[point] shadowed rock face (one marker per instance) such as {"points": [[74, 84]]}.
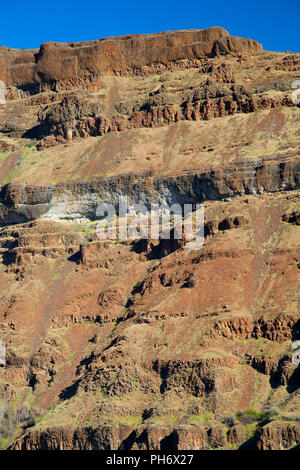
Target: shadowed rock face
{"points": [[78, 202], [56, 62]]}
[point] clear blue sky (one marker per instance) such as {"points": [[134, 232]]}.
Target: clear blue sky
{"points": [[26, 24]]}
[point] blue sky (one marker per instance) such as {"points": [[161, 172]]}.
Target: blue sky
{"points": [[27, 24]]}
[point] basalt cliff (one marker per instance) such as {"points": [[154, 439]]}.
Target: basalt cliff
{"points": [[142, 343]]}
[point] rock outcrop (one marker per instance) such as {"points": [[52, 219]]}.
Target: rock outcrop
{"points": [[55, 65], [278, 436], [79, 201], [73, 117], [142, 340]]}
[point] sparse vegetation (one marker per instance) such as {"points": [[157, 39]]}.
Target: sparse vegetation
{"points": [[15, 418]]}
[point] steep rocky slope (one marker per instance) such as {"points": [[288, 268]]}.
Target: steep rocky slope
{"points": [[144, 344], [53, 64]]}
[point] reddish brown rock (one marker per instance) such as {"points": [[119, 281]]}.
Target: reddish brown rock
{"points": [[58, 63], [6, 147], [278, 435], [279, 329]]}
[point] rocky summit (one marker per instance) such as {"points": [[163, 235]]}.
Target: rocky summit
{"points": [[141, 343]]}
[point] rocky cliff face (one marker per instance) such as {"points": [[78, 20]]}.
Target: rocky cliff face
{"points": [[78, 202], [142, 343], [78, 62]]}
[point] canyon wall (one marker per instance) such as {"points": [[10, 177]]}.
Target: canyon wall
{"points": [[78, 202], [34, 70], [142, 343]]}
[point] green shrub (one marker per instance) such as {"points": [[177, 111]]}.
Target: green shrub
{"points": [[248, 416], [251, 416]]}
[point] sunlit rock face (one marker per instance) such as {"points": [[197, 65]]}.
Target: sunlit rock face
{"points": [[131, 342]]}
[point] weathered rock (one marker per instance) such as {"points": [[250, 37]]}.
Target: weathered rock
{"points": [[278, 435], [57, 64], [6, 147], [279, 329], [79, 201], [144, 344]]}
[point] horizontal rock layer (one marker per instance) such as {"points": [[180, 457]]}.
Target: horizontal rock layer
{"points": [[273, 436], [53, 62], [78, 202]]}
